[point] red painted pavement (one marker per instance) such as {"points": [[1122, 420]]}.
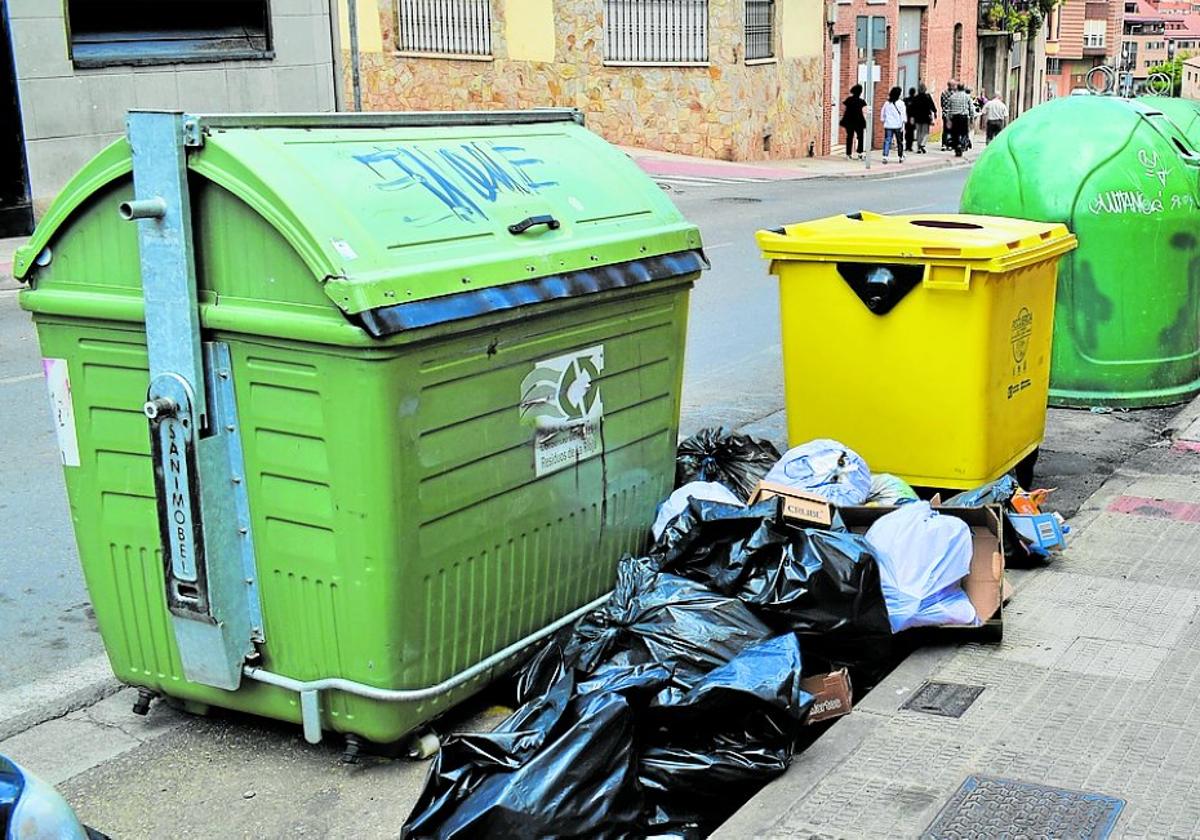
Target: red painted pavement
{"points": [[1156, 508], [1186, 446]]}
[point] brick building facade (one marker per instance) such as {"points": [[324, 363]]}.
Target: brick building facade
{"points": [[929, 41], [729, 79]]}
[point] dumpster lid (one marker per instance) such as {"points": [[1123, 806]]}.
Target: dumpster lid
{"points": [[387, 209], [865, 236]]}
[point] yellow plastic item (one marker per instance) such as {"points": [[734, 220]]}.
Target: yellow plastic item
{"points": [[921, 342]]}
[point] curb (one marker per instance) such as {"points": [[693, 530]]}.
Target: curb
{"points": [[74, 688], [1181, 423], [877, 173]]}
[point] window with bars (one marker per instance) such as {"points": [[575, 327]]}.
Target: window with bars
{"points": [[444, 27], [760, 29], [656, 31], [144, 32]]}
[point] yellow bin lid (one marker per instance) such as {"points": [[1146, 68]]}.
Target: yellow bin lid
{"points": [[987, 243]]}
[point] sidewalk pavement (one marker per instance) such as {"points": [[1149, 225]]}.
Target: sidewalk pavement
{"points": [[668, 166], [1095, 689]]}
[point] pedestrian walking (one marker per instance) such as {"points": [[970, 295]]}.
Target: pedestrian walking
{"points": [[944, 102], [995, 115], [854, 121], [910, 127], [894, 116], [921, 113], [959, 109]]}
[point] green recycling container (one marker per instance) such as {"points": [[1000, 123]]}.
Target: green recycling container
{"points": [[353, 408], [1185, 113], [1127, 318]]}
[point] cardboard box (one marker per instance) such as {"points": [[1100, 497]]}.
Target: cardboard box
{"points": [[984, 584], [797, 505], [832, 695]]}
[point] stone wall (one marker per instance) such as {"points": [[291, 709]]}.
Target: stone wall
{"points": [[727, 109]]}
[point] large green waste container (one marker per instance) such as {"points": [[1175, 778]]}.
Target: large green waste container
{"points": [[352, 408], [1127, 318], [1185, 113]]}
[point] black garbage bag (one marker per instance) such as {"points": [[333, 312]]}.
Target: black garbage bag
{"points": [[651, 617], [822, 584], [711, 747], [565, 765], [737, 461]]}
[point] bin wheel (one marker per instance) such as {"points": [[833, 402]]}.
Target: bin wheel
{"points": [[1024, 469], [424, 746], [350, 753]]}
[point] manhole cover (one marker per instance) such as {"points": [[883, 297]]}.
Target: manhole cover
{"points": [[945, 699], [986, 808], [738, 199]]}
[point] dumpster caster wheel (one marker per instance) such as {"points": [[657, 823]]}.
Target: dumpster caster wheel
{"points": [[141, 706], [1023, 471], [350, 753], [424, 746]]}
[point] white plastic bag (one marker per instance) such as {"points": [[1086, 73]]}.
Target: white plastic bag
{"points": [[824, 468], [923, 557], [677, 502]]}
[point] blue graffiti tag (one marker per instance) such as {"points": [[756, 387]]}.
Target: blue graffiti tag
{"points": [[453, 173]]}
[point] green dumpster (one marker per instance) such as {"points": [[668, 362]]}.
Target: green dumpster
{"points": [[354, 408], [1127, 318], [1185, 113]]}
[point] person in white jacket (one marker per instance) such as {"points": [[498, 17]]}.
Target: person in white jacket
{"points": [[894, 116]]}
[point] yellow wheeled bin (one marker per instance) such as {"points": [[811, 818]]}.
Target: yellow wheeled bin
{"points": [[921, 342]]}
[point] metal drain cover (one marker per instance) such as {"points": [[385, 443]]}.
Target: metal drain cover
{"points": [[987, 808], [945, 699]]}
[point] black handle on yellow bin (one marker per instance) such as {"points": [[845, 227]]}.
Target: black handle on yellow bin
{"points": [[533, 221], [881, 285]]}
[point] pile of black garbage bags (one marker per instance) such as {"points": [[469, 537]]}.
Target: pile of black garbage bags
{"points": [[661, 712]]}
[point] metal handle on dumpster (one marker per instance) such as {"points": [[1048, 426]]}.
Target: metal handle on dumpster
{"points": [[310, 690], [533, 221]]}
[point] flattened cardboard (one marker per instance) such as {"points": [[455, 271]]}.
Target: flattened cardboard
{"points": [[984, 584], [797, 505], [832, 695]]}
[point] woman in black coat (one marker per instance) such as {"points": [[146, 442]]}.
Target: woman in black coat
{"points": [[853, 120]]}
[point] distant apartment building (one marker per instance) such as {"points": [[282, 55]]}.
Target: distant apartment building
{"points": [[729, 79], [1080, 36], [1190, 88], [71, 69], [1143, 40], [926, 41]]}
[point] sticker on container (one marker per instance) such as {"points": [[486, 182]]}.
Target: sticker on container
{"points": [[560, 399], [343, 248], [62, 409]]}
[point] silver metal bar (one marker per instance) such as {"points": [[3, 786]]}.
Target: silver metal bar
{"points": [[355, 77], [391, 119], [310, 708], [163, 206]]}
